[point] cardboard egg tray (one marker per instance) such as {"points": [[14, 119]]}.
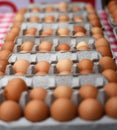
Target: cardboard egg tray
{"points": [[42, 6], [71, 15], [72, 42], [55, 26]]}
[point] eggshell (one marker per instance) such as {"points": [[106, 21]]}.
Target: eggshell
{"points": [[79, 29], [45, 46], [31, 30], [10, 111], [82, 44], [107, 63], [64, 65], [49, 9], [34, 19], [90, 109], [88, 91], [78, 19], [22, 11], [14, 89], [38, 93], [97, 36], [42, 67], [63, 18], [1, 73], [47, 32], [27, 46], [16, 24], [21, 65], [96, 30], [3, 64], [111, 107], [111, 89], [15, 30], [95, 23], [19, 17], [62, 109], [92, 16], [63, 47], [63, 31], [10, 37], [49, 19], [86, 72], [62, 6], [111, 75], [75, 8], [101, 42], [4, 54], [36, 110], [83, 48], [63, 92], [8, 46], [35, 9], [79, 34]]}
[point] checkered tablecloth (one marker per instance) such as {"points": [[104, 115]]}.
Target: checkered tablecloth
{"points": [[7, 18]]}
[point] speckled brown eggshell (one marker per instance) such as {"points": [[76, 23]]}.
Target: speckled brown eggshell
{"points": [[101, 42], [8, 46], [4, 54]]}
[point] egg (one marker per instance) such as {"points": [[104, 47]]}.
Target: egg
{"points": [[86, 72], [47, 32], [95, 23], [83, 48], [1, 73], [63, 6], [22, 11], [88, 91], [79, 34], [8, 46], [111, 89], [75, 8], [82, 45], [96, 30], [101, 42], [19, 17], [78, 19], [63, 91], [31, 30], [16, 24], [107, 63], [35, 9], [42, 67], [63, 47], [90, 109], [14, 89], [62, 109], [34, 19], [111, 107], [63, 31], [64, 66], [10, 37], [110, 74], [63, 18], [36, 110], [92, 16], [4, 54], [104, 50], [97, 36], [86, 64], [49, 19], [10, 111], [89, 7], [15, 30], [45, 46], [3, 64], [21, 65], [49, 9], [26, 46], [79, 29]]}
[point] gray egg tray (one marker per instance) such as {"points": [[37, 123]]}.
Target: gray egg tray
{"points": [[41, 16], [42, 6], [55, 26], [72, 42]]}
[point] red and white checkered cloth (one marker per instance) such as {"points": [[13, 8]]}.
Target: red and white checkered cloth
{"points": [[7, 18]]}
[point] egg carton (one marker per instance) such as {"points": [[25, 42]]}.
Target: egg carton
{"points": [[72, 42], [55, 26], [41, 16], [42, 6]]}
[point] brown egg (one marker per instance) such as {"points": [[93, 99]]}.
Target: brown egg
{"points": [[49, 19], [95, 23], [16, 24], [19, 17], [35, 9], [42, 67], [89, 7], [111, 75], [36, 110], [82, 45], [19, 74], [38, 93], [47, 32], [101, 42], [63, 31], [79, 34], [63, 47], [88, 91], [75, 8], [64, 66], [49, 9], [79, 29], [78, 19], [3, 64], [64, 107], [45, 46], [27, 46], [92, 16], [63, 18], [34, 19], [104, 50], [90, 109], [86, 64], [111, 107], [107, 63], [4, 54], [83, 48], [113, 8], [22, 11], [111, 89], [10, 37], [14, 89], [96, 30], [10, 111], [8, 46], [1, 73], [86, 72], [62, 6], [31, 30], [15, 30], [97, 36], [21, 65], [63, 92]]}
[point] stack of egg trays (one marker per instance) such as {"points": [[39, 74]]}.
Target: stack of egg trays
{"points": [[51, 82]]}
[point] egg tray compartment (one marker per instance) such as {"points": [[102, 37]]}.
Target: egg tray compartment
{"points": [[41, 16], [55, 26], [42, 6], [72, 42]]}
